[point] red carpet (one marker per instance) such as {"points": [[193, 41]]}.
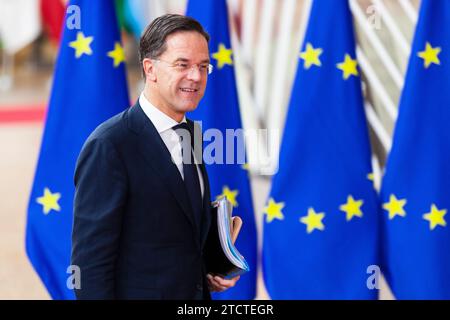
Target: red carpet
{"points": [[22, 114]]}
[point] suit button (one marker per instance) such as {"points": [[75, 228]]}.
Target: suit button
{"points": [[199, 287]]}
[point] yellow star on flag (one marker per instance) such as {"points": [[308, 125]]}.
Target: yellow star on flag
{"points": [[430, 55], [273, 210], [348, 67], [313, 220], [223, 56], [230, 194], [245, 167], [395, 207], [117, 54], [352, 208], [82, 45], [49, 201], [311, 56], [435, 217]]}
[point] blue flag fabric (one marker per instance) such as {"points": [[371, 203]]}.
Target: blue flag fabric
{"points": [[320, 229], [89, 87], [416, 185], [219, 110]]}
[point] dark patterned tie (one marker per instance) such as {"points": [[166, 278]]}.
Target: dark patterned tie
{"points": [[191, 179]]}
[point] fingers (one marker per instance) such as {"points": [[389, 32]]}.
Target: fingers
{"points": [[213, 285], [218, 284], [228, 283]]}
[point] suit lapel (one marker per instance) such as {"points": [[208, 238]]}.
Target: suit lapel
{"points": [[155, 152]]}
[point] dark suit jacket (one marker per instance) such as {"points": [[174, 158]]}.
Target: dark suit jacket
{"points": [[134, 235]]}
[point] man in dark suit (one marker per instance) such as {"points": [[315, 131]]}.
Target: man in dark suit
{"points": [[142, 208]]}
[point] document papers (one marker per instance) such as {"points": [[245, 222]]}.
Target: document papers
{"points": [[221, 256]]}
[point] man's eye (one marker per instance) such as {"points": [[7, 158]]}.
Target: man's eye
{"points": [[203, 67], [181, 65]]}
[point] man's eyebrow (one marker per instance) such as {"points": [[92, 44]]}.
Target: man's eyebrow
{"points": [[182, 60], [187, 60]]}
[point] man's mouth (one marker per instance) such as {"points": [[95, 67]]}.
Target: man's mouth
{"points": [[189, 90]]}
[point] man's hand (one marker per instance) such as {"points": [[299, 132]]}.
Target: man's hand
{"points": [[219, 284]]}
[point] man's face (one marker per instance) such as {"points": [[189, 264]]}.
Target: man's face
{"points": [[179, 88]]}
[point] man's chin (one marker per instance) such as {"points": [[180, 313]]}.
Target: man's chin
{"points": [[189, 108]]}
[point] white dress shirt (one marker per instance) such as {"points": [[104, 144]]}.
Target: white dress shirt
{"points": [[164, 124]]}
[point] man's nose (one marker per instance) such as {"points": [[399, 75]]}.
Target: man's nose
{"points": [[194, 73]]}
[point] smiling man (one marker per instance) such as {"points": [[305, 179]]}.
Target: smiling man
{"points": [[142, 204]]}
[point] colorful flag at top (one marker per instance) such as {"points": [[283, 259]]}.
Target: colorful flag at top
{"points": [[89, 87], [321, 220], [52, 12]]}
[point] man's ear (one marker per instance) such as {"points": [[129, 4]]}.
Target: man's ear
{"points": [[149, 69]]}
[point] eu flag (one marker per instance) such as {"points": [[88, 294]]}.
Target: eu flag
{"points": [[416, 185], [89, 87], [320, 229], [219, 113]]}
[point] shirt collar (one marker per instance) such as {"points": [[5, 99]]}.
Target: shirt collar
{"points": [[160, 120]]}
